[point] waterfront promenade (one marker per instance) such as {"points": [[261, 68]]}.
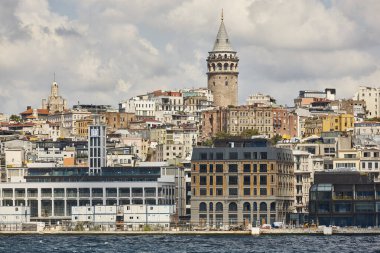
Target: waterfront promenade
{"points": [[262, 232]]}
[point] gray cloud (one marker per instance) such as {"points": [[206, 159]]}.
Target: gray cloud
{"points": [[108, 51]]}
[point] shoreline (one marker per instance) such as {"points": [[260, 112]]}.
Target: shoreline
{"points": [[262, 232]]}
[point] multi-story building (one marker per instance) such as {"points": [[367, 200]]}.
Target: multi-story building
{"points": [[117, 120], [52, 192], [303, 177], [344, 198], [250, 117], [350, 106], [285, 123], [213, 122], [307, 97], [337, 122], [371, 96], [222, 74], [260, 100], [240, 182], [67, 119]]}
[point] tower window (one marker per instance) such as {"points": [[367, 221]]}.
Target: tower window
{"points": [[213, 83], [226, 83]]}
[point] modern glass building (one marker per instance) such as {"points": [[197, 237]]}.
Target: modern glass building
{"points": [[345, 198]]}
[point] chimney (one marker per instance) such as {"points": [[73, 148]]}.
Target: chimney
{"points": [[28, 107]]}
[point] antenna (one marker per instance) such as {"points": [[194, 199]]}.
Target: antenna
{"points": [[54, 72], [222, 14]]}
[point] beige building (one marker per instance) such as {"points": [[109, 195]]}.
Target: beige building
{"points": [[54, 103], [371, 96], [222, 74], [250, 117]]}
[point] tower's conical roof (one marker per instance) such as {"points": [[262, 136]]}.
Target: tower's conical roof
{"points": [[222, 42]]}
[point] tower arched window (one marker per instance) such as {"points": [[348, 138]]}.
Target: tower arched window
{"points": [[225, 56], [231, 66], [225, 67], [213, 67], [219, 66]]}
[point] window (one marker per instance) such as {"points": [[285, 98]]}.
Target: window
{"points": [[247, 155], [263, 191], [232, 168], [202, 180], [263, 180], [203, 168], [255, 168], [219, 180], [263, 155], [211, 168], [232, 180], [247, 168], [247, 180], [211, 180], [219, 168], [219, 156], [233, 191], [202, 192], [247, 191], [203, 156], [219, 192], [255, 155], [233, 155], [263, 168]]}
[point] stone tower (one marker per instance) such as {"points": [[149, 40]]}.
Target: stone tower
{"points": [[222, 65]]}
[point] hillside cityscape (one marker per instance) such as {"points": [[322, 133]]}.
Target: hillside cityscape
{"points": [[193, 158]]}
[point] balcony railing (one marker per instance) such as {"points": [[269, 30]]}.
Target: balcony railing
{"points": [[137, 194]]}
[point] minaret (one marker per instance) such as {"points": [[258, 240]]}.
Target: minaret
{"points": [[222, 75]]}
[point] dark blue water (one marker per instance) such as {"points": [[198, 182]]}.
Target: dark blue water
{"points": [[169, 243]]}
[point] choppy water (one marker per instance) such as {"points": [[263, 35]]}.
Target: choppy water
{"points": [[169, 243]]}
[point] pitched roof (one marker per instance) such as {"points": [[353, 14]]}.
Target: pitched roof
{"points": [[222, 43]]}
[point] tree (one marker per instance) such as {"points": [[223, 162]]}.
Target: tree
{"points": [[207, 143], [14, 117], [276, 139], [248, 133], [223, 135]]}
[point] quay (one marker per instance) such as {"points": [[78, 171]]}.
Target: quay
{"points": [[257, 232]]}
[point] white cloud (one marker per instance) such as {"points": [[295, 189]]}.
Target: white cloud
{"points": [[108, 51]]}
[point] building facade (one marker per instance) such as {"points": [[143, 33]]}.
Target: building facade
{"points": [[241, 183]]}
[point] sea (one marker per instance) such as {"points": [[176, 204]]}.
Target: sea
{"points": [[173, 243]]}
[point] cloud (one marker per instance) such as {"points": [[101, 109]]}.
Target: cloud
{"points": [[107, 51]]}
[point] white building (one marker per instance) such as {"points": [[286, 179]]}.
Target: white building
{"points": [[12, 217], [94, 214], [261, 100], [304, 177], [371, 96], [140, 105], [137, 216], [14, 157], [67, 119]]}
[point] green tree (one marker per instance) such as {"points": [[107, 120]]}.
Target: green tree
{"points": [[14, 117], [248, 133], [223, 135], [207, 143], [276, 139]]}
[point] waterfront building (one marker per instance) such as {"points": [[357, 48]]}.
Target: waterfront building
{"points": [[97, 147], [52, 192], [12, 217], [222, 70], [241, 182], [344, 198], [307, 97], [303, 178]]}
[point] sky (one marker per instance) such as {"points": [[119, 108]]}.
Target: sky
{"points": [[105, 52]]}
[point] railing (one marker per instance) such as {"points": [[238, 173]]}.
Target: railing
{"points": [[124, 194], [59, 194], [365, 197], [342, 197], [84, 194], [137, 194], [32, 194], [111, 194], [71, 194], [20, 195], [150, 194], [97, 195], [7, 194], [46, 195]]}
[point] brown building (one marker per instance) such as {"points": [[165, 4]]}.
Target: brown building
{"points": [[117, 120], [82, 126], [313, 126], [284, 123], [241, 182], [213, 122]]}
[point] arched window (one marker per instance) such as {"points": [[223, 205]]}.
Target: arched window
{"points": [[213, 66], [211, 206], [225, 66], [254, 206], [231, 66], [219, 207], [219, 66], [246, 207], [263, 207], [232, 207], [225, 56], [273, 206], [202, 207]]}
